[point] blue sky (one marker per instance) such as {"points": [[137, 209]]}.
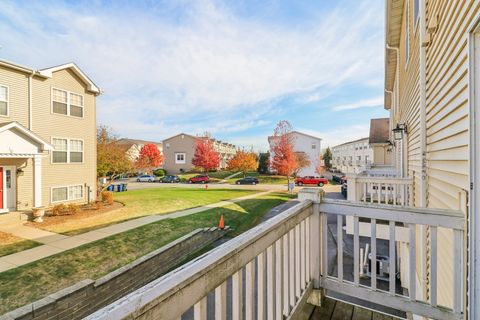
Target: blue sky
{"points": [[233, 68]]}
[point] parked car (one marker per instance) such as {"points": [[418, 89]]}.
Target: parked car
{"points": [[247, 180], [169, 179], [201, 178], [300, 181], [145, 178]]}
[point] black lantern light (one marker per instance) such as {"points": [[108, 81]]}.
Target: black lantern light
{"points": [[399, 130]]}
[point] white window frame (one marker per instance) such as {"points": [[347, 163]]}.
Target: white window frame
{"points": [[7, 101], [68, 151], [68, 104], [184, 158], [68, 193], [416, 14]]}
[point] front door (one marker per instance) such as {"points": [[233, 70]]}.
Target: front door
{"points": [[7, 189]]}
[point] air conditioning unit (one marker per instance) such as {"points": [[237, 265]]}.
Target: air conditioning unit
{"points": [[383, 267]]}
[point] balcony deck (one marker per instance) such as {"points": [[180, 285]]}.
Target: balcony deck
{"points": [[333, 309]]}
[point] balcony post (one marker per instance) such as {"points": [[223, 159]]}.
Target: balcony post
{"points": [[315, 195], [354, 190]]}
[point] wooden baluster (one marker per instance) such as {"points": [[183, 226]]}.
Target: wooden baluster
{"points": [[412, 261], [365, 186], [433, 266], [261, 285], [371, 192], [237, 295], [458, 271], [395, 194], [324, 251], [221, 302], [286, 272], [291, 268], [302, 256], [200, 309], [373, 245], [308, 249], [340, 247], [379, 191], [356, 251], [393, 259], [279, 279], [271, 282], [297, 261], [250, 291]]}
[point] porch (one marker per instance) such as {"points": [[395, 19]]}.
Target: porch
{"points": [[289, 264]]}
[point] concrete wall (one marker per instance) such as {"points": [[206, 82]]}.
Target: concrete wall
{"points": [[87, 296]]}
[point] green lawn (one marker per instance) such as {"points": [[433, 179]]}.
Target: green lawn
{"points": [[31, 282], [144, 202], [10, 244]]}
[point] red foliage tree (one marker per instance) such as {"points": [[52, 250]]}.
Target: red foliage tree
{"points": [[320, 167], [205, 156], [284, 160], [149, 158]]}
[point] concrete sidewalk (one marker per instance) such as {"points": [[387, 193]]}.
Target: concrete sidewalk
{"points": [[54, 243]]}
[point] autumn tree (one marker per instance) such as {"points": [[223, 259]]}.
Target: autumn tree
{"points": [[320, 167], [263, 162], [302, 160], [327, 157], [112, 159], [281, 146], [149, 158], [205, 156], [243, 161]]}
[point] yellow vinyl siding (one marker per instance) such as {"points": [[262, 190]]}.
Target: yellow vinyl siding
{"points": [[50, 125], [17, 83]]}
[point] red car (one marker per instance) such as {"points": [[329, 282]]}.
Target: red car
{"points": [[300, 181], [201, 178]]}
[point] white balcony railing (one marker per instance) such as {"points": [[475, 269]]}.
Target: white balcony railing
{"points": [[284, 262], [387, 190]]}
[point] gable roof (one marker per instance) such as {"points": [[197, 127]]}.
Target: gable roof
{"points": [[129, 142], [185, 134], [17, 126], [48, 72], [379, 130], [349, 142], [270, 138]]}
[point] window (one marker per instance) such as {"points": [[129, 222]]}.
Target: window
{"points": [[3, 101], [407, 34], [76, 151], [60, 151], [416, 8], [67, 103], [180, 158], [314, 145], [67, 150], [67, 193]]}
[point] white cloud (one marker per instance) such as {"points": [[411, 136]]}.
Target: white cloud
{"points": [[154, 71], [367, 103]]}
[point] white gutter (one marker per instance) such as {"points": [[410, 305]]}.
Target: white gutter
{"points": [[395, 104], [30, 107], [423, 105]]}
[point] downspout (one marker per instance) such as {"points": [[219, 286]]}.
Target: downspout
{"points": [[396, 103], [30, 107], [423, 105]]}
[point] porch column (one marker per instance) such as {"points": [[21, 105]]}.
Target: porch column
{"points": [[37, 180]]}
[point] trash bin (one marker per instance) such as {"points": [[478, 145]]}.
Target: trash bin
{"points": [[124, 187], [110, 187], [119, 188]]}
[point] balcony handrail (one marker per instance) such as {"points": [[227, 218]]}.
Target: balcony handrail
{"points": [[377, 179], [165, 297]]}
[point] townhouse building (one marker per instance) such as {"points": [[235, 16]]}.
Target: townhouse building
{"points": [[353, 156], [47, 136], [180, 149], [307, 144], [134, 146]]}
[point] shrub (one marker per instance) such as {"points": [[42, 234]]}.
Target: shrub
{"points": [[98, 205], [63, 209], [160, 172], [107, 197]]}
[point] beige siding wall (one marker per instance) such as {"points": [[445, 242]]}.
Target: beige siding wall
{"points": [[447, 111], [49, 125], [178, 144], [17, 83]]}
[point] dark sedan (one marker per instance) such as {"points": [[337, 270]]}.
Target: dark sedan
{"points": [[170, 179], [247, 180]]}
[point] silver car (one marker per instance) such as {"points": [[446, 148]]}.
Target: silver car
{"points": [[145, 178]]}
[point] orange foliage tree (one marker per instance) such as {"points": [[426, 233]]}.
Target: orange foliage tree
{"points": [[302, 161], [320, 168], [149, 158], [205, 156], [281, 147], [243, 161]]}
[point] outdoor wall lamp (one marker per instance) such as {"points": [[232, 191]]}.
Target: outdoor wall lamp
{"points": [[399, 130]]}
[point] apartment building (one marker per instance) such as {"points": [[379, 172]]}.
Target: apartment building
{"points": [[180, 149], [353, 156], [133, 147], [306, 144], [47, 136]]}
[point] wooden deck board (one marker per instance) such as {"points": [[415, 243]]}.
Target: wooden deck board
{"points": [[338, 310]]}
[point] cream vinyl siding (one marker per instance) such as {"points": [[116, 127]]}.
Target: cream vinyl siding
{"points": [[447, 119], [24, 181], [17, 83], [50, 125]]}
